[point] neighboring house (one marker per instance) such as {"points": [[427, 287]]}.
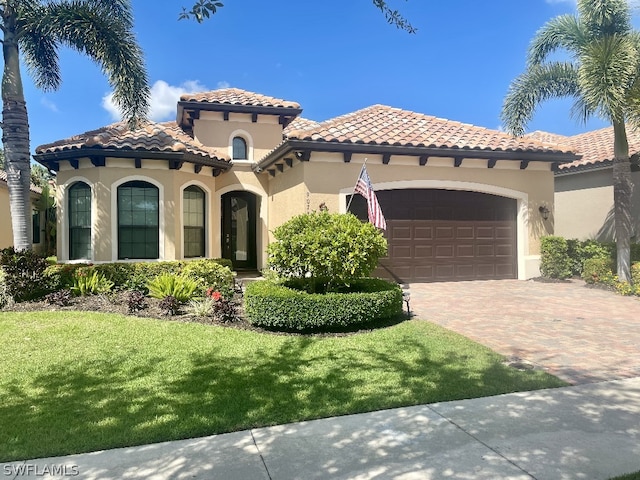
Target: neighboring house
{"points": [[584, 188], [461, 202], [6, 231]]}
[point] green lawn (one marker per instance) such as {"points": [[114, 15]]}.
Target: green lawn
{"points": [[76, 382]]}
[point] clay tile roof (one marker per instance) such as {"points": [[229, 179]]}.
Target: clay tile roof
{"points": [[383, 125], [597, 146], [236, 96], [159, 137], [300, 123], [32, 187]]}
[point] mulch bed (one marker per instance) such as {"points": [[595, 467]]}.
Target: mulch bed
{"points": [[116, 303]]}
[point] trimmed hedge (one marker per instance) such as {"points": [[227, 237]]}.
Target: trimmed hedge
{"points": [[211, 272], [554, 261], [273, 305]]}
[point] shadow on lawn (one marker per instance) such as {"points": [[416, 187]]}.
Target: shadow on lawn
{"points": [[89, 405]]}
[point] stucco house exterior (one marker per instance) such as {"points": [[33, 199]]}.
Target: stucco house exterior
{"points": [[584, 187], [6, 230], [461, 202]]}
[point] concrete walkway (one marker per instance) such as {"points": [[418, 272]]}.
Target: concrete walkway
{"points": [[577, 333], [584, 432]]}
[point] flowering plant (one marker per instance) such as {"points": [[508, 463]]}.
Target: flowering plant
{"points": [[214, 294]]}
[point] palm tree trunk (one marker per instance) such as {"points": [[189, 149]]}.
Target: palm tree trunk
{"points": [[622, 191], [15, 138]]}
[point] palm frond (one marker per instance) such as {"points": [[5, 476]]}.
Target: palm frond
{"points": [[608, 69], [91, 28], [565, 32], [537, 84], [605, 17], [40, 52]]}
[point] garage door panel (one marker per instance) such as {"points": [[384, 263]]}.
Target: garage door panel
{"points": [[465, 251], [399, 252], [444, 251], [423, 232], [466, 232], [445, 235]]}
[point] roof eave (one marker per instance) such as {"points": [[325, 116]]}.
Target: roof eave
{"points": [[339, 147], [50, 159]]}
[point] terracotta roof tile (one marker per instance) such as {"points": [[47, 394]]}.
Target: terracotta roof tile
{"points": [[597, 146], [236, 96], [300, 123], [159, 137], [383, 125]]}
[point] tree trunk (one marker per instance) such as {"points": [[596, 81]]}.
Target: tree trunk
{"points": [[622, 191], [15, 138]]}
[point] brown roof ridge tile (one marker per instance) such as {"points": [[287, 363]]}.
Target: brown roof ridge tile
{"points": [[238, 96]]}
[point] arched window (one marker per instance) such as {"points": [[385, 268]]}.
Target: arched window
{"points": [[193, 215], [239, 148], [138, 220], [79, 198]]}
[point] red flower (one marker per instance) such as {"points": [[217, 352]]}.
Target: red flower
{"points": [[216, 295]]}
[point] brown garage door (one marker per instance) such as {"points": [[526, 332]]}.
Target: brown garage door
{"points": [[446, 235]]}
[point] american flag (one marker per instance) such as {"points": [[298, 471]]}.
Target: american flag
{"points": [[364, 188]]}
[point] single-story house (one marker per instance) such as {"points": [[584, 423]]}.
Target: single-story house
{"points": [[6, 232], [584, 187], [461, 202]]}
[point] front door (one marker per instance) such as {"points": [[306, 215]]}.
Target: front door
{"points": [[239, 229]]}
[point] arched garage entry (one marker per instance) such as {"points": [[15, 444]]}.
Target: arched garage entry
{"points": [[446, 235]]}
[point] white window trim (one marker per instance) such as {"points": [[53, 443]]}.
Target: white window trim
{"points": [[114, 215], [207, 216], [247, 138], [63, 220]]}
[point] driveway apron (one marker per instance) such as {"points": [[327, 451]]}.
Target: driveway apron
{"points": [[575, 332]]}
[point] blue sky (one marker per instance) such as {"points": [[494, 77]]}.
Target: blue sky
{"points": [[333, 57]]}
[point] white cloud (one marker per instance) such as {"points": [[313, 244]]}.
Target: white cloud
{"points": [[164, 98], [45, 102], [223, 84]]}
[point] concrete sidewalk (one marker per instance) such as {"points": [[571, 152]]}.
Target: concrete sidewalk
{"points": [[589, 432]]}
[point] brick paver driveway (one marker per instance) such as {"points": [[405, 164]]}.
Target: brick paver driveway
{"points": [[577, 333]]}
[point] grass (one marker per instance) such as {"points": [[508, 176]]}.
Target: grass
{"points": [[74, 382]]}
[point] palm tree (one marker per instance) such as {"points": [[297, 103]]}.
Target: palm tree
{"points": [[33, 31], [602, 76]]}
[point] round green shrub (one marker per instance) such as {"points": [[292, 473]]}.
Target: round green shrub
{"points": [[325, 248], [598, 270], [273, 305], [554, 261], [209, 273]]}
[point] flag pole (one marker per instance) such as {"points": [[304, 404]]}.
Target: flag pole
{"points": [[354, 192]]}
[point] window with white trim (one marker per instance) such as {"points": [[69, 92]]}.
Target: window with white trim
{"points": [[193, 217]]}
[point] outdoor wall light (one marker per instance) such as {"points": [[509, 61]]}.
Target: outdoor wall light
{"points": [[544, 211]]}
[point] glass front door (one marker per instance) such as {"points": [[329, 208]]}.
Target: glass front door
{"points": [[239, 229]]}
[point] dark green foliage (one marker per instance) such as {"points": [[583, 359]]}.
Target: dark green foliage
{"points": [[61, 298], [581, 250], [181, 288], [23, 273], [325, 249], [269, 304], [169, 305], [598, 270], [120, 274], [210, 274], [136, 301], [225, 310], [60, 276], [87, 281], [554, 262]]}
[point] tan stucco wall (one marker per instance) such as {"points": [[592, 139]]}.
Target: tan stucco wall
{"points": [[262, 136], [584, 205], [6, 232]]}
